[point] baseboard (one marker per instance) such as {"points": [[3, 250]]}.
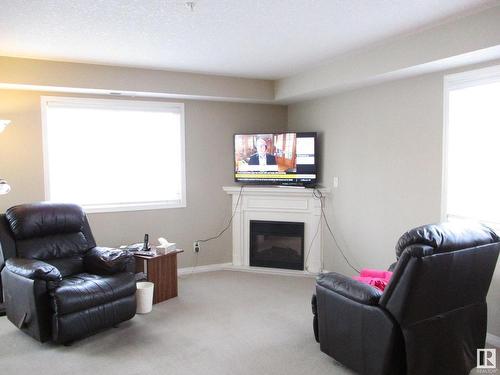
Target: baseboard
{"points": [[493, 340], [230, 267], [200, 269], [271, 271]]}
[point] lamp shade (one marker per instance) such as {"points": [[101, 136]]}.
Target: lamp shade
{"points": [[3, 124], [4, 187]]}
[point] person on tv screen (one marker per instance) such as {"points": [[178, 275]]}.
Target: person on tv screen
{"points": [[262, 157]]}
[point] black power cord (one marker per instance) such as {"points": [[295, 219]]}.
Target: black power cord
{"points": [[228, 224], [317, 194], [197, 253]]}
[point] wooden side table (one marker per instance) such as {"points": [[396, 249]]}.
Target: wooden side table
{"points": [[160, 269]]}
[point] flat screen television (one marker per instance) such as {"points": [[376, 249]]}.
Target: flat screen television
{"points": [[285, 158]]}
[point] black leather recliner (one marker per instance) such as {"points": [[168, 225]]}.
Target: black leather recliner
{"points": [[56, 283], [432, 315]]}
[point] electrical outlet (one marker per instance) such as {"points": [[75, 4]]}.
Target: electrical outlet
{"points": [[196, 247], [335, 182]]}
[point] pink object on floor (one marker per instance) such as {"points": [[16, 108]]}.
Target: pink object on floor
{"points": [[376, 278]]}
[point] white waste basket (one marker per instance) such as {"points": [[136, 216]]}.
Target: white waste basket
{"points": [[144, 296]]}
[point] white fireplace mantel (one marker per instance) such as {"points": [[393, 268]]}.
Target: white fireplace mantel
{"points": [[276, 203]]}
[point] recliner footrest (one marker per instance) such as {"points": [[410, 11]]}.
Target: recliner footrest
{"points": [[73, 326], [83, 291]]}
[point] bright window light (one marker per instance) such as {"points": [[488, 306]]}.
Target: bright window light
{"points": [[472, 182], [114, 155]]}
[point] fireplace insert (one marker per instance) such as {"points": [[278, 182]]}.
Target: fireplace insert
{"points": [[277, 244]]}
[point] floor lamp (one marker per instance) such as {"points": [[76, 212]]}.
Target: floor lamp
{"points": [[4, 189]]}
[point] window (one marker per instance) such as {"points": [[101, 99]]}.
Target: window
{"points": [[114, 155], [471, 188]]}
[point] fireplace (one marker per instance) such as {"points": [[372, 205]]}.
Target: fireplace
{"points": [[277, 244], [275, 204]]}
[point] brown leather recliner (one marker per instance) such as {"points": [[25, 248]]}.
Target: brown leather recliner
{"points": [[432, 316], [57, 284]]}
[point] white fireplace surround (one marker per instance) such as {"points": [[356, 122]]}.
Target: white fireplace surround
{"points": [[276, 203]]}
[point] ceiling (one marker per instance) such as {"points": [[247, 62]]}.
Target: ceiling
{"points": [[268, 39]]}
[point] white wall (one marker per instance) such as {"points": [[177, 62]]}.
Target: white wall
{"points": [[385, 144]]}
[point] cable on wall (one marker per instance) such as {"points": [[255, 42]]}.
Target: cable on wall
{"points": [[195, 261], [228, 224], [317, 194]]}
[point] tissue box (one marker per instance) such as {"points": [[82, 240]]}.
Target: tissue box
{"points": [[163, 250]]}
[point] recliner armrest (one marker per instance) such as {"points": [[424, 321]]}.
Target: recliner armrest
{"points": [[33, 269], [105, 260], [349, 288]]}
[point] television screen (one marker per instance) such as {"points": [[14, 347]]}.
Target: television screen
{"points": [[276, 158]]}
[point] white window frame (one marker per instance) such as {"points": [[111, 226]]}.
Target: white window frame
{"points": [[452, 82], [106, 103]]}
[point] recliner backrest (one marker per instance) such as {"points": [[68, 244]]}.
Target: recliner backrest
{"points": [[441, 268], [57, 233], [7, 242], [447, 236]]}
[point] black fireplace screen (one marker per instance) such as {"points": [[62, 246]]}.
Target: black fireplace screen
{"points": [[277, 244]]}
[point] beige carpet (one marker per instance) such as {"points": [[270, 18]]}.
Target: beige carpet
{"points": [[221, 323]]}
